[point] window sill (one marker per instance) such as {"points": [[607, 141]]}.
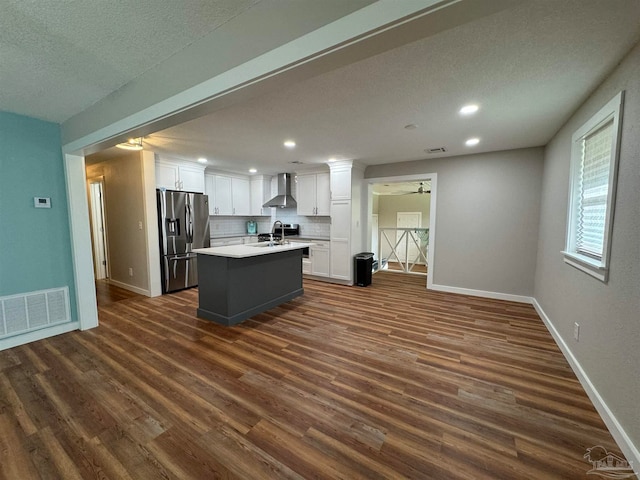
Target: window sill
{"points": [[588, 265]]}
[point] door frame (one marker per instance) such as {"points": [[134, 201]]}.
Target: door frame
{"points": [[98, 228], [367, 191]]}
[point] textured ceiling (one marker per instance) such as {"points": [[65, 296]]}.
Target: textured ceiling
{"points": [[60, 57], [528, 68]]}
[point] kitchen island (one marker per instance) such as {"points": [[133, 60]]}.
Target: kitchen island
{"points": [[236, 282]]}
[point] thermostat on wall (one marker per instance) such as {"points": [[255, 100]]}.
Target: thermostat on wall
{"points": [[42, 202]]}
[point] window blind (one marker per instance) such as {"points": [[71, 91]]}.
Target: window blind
{"points": [[593, 189]]}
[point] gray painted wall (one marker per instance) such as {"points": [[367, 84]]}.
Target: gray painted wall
{"points": [[608, 314], [487, 213], [124, 208]]}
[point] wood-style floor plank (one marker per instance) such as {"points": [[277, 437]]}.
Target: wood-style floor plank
{"points": [[385, 382]]}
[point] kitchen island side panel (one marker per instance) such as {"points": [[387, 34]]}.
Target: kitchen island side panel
{"points": [[233, 289]]}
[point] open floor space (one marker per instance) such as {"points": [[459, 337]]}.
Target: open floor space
{"points": [[388, 381]]}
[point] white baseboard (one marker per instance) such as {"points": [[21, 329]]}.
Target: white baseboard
{"points": [[619, 435], [483, 293], [35, 335], [131, 288]]}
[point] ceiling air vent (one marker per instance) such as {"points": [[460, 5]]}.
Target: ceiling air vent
{"points": [[296, 162], [435, 150]]}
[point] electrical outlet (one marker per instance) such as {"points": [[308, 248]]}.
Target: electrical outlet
{"points": [[131, 271], [576, 331]]}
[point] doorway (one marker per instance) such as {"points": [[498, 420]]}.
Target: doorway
{"points": [[400, 213], [98, 229], [406, 220]]}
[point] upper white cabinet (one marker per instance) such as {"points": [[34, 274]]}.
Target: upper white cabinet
{"points": [[341, 183], [228, 195], [240, 196], [219, 192], [179, 176], [313, 195], [260, 193]]}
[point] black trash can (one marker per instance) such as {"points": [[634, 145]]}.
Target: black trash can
{"points": [[363, 264]]}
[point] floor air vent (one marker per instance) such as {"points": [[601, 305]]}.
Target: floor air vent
{"points": [[34, 310]]}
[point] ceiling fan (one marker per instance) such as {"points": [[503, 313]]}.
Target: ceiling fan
{"points": [[420, 190]]}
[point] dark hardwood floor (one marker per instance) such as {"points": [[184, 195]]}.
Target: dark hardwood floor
{"points": [[107, 293], [389, 381]]}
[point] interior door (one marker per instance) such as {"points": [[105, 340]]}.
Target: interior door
{"points": [[98, 230], [407, 245]]}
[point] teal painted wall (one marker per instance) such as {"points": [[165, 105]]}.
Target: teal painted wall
{"points": [[35, 244]]}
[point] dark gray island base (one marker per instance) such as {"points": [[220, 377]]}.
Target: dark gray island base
{"points": [[231, 290]]}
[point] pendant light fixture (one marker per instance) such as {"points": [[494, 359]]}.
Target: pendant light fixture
{"points": [[131, 144]]}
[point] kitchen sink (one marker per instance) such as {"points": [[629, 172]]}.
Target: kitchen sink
{"points": [[266, 244]]}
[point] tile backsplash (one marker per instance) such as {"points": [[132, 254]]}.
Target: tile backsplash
{"points": [[221, 226]]}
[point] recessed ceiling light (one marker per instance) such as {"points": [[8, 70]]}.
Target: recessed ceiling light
{"points": [[289, 144], [472, 141], [411, 126], [252, 170], [469, 109], [332, 159], [202, 160]]}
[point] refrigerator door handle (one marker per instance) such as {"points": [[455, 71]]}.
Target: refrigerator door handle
{"points": [[189, 223]]}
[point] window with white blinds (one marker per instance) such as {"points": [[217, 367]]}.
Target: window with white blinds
{"points": [[593, 188], [594, 155]]}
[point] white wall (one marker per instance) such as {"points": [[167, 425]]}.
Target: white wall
{"points": [[488, 208], [609, 314]]}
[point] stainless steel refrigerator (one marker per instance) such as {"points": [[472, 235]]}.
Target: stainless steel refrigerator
{"points": [[183, 221]]}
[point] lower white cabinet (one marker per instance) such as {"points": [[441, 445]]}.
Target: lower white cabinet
{"points": [[306, 266], [319, 255], [341, 259]]}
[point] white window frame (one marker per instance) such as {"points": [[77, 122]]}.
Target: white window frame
{"points": [[598, 268]]}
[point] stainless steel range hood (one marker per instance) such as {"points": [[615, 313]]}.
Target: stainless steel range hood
{"points": [[284, 198]]}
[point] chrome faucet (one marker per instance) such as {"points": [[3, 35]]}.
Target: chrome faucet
{"points": [[273, 230]]}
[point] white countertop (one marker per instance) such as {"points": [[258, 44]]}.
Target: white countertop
{"points": [[251, 249]]}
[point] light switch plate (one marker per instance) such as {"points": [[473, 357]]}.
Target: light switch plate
{"points": [[42, 202]]}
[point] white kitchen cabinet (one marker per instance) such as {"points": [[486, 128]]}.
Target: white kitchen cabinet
{"points": [[228, 195], [167, 176], [260, 193], [218, 188], [319, 255], [223, 201], [240, 196], [313, 195], [340, 182], [191, 178], [306, 266], [178, 176], [341, 260]]}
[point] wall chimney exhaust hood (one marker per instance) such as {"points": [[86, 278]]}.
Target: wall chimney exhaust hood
{"points": [[283, 199]]}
